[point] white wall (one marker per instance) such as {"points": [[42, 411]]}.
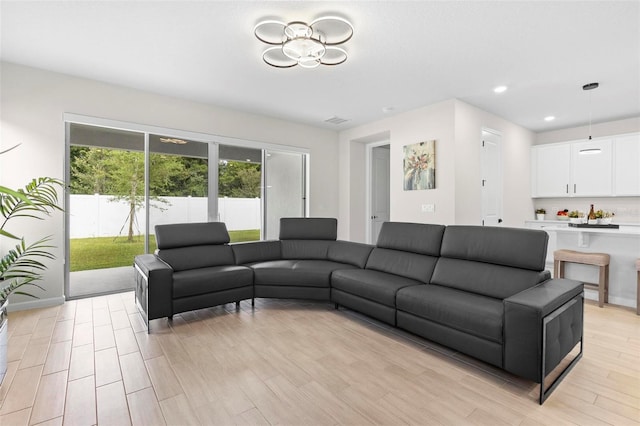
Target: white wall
{"points": [[516, 147], [618, 127], [457, 129], [32, 105], [431, 122]]}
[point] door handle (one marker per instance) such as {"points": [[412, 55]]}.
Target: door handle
{"points": [[374, 217], [499, 220]]}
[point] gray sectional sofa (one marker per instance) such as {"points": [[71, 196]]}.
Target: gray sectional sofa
{"points": [[482, 291]]}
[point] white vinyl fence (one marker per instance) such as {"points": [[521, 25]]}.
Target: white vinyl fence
{"points": [[103, 216]]}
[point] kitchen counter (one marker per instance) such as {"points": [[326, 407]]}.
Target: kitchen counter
{"points": [[623, 231], [623, 246]]}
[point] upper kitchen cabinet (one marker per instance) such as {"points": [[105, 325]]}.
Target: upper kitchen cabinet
{"points": [[626, 165], [591, 169], [550, 166]]}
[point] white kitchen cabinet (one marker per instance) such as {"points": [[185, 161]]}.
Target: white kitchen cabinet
{"points": [[550, 167], [603, 167], [626, 165], [591, 169]]}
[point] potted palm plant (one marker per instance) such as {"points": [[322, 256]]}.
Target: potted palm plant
{"points": [[21, 267]]}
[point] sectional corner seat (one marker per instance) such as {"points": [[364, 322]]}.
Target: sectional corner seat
{"points": [[482, 291]]}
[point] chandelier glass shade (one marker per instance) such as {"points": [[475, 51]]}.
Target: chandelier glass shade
{"points": [[307, 45]]}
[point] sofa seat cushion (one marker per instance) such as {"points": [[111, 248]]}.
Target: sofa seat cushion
{"points": [[474, 314], [209, 280], [376, 286], [301, 273]]}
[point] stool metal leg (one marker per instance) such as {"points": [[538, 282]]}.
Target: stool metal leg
{"points": [[638, 296], [606, 284]]}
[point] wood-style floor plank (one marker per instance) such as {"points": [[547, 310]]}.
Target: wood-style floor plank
{"points": [[80, 403], [112, 407], [50, 399], [291, 362]]}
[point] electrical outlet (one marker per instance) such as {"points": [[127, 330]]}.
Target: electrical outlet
{"points": [[428, 208]]}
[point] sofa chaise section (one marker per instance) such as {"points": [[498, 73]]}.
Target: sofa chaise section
{"points": [[405, 255], [193, 268]]}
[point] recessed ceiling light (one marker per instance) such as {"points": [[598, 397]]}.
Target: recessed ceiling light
{"points": [[549, 118], [500, 89]]}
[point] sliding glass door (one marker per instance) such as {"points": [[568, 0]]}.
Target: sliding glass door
{"points": [[125, 182]]}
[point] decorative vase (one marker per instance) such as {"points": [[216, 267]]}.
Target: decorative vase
{"points": [[4, 323], [540, 216]]}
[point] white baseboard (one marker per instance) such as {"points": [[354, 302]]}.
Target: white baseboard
{"points": [[35, 304]]}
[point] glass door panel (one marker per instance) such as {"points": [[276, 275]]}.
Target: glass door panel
{"points": [[284, 195], [178, 182], [106, 181], [239, 191]]}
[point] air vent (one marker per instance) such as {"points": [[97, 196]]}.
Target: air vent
{"points": [[336, 120]]}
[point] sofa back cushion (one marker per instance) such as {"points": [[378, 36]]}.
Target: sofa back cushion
{"points": [[495, 262], [305, 249], [308, 228], [516, 247], [256, 251], [407, 249], [355, 254], [405, 264], [191, 234], [194, 245], [307, 237], [421, 238]]}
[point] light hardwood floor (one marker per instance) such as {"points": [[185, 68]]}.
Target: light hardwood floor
{"points": [[91, 361]]}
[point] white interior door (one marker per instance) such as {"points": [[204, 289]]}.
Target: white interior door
{"points": [[491, 169], [379, 189]]}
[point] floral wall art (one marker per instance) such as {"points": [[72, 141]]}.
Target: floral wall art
{"points": [[419, 166]]}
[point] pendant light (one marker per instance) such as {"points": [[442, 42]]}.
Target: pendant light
{"points": [[590, 87]]}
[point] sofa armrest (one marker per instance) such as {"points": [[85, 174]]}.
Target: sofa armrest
{"points": [[526, 315], [154, 286]]}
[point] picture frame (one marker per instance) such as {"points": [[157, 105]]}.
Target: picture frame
{"points": [[419, 166]]}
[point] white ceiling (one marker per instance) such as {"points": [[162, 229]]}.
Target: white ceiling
{"points": [[403, 55]]}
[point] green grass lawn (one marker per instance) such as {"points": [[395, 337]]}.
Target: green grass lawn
{"points": [[111, 252]]}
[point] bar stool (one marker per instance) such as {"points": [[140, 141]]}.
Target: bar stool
{"points": [[638, 291], [601, 260]]}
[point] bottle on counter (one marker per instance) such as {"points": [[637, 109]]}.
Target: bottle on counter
{"points": [[592, 215]]}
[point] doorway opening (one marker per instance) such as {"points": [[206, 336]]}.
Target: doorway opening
{"points": [[378, 209]]}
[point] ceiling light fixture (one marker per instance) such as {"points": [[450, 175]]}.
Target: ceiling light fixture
{"points": [[590, 87], [173, 140], [500, 89], [307, 45], [549, 118]]}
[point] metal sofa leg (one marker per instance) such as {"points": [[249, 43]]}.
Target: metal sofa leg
{"points": [[253, 302], [237, 305]]}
